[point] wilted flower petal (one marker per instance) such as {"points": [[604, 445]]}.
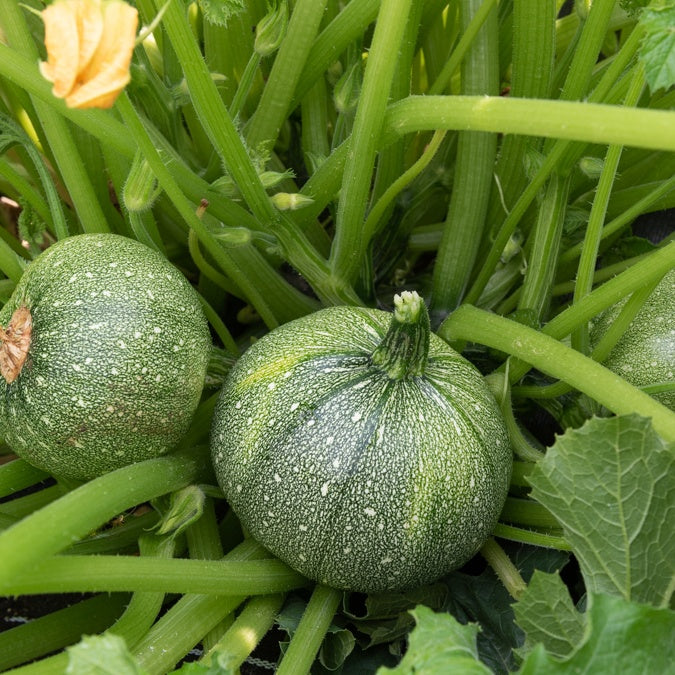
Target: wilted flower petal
{"points": [[89, 48]]}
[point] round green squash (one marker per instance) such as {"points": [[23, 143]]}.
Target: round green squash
{"points": [[361, 449], [103, 353], [645, 354]]}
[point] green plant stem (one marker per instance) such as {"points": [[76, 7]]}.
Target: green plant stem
{"points": [[219, 327], [17, 475], [62, 145], [307, 639], [202, 535], [260, 295], [533, 58], [499, 385], [118, 538], [593, 234], [144, 606], [503, 567], [228, 144], [547, 234], [554, 358], [391, 162], [647, 270], [520, 473], [277, 95], [245, 85], [70, 574], [531, 537], [569, 120], [381, 205], [604, 346], [246, 632], [189, 619], [478, 18], [208, 270], [58, 629], [204, 544], [349, 244], [71, 517], [51, 210], [587, 49], [560, 158], [474, 167], [621, 221], [349, 25], [528, 513], [11, 264], [7, 521], [23, 506]]}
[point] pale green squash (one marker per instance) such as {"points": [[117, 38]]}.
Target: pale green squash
{"points": [[361, 449], [104, 353]]}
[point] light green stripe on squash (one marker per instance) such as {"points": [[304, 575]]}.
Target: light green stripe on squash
{"points": [[117, 357]]}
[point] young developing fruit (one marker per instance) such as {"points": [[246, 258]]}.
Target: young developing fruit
{"points": [[645, 354], [361, 449], [103, 356]]}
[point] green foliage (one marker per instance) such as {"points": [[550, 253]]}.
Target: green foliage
{"points": [[439, 644], [547, 615], [611, 484], [658, 47], [620, 637], [263, 157], [105, 654]]}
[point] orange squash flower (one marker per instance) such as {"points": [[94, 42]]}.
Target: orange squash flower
{"points": [[89, 47]]}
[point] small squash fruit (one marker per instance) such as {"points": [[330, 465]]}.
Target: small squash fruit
{"points": [[103, 355], [361, 449], [645, 354]]}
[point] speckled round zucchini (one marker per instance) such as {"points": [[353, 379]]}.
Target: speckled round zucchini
{"points": [[361, 449], [645, 354], [103, 354]]}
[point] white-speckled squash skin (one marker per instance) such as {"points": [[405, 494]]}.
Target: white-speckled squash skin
{"points": [[645, 354], [117, 359], [359, 481]]}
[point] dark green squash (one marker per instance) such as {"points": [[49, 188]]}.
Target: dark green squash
{"points": [[645, 354], [103, 356], [361, 449]]}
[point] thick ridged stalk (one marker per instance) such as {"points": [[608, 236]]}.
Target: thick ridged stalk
{"points": [[89, 506], [533, 56], [349, 245], [404, 349], [546, 244], [596, 219], [474, 169], [311, 631], [276, 98]]}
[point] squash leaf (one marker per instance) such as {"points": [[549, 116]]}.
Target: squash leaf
{"points": [[105, 654], [483, 599], [621, 637], [439, 644], [657, 52], [548, 616], [611, 484]]}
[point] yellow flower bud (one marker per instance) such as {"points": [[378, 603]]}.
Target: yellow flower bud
{"points": [[89, 47]]}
